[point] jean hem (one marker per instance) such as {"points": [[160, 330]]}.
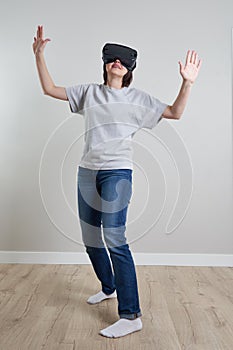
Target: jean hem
{"points": [[131, 316], [107, 292]]}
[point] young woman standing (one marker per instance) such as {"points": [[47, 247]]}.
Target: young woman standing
{"points": [[113, 113]]}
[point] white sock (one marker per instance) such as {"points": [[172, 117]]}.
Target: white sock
{"points": [[122, 327], [97, 298]]}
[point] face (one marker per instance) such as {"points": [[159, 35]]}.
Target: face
{"points": [[116, 68]]}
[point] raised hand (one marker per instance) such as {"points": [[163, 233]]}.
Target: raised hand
{"points": [[39, 43], [192, 66]]}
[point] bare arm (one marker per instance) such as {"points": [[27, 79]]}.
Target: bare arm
{"points": [[46, 81], [189, 73], [176, 110]]}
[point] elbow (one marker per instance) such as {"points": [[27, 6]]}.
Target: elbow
{"points": [[45, 91], [172, 113], [48, 91], [176, 112], [176, 115]]}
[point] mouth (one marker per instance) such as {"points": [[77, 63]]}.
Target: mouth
{"points": [[115, 65]]}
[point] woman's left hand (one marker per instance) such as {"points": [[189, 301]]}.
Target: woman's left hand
{"points": [[192, 66]]}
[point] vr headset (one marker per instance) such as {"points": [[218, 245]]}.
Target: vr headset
{"points": [[125, 54]]}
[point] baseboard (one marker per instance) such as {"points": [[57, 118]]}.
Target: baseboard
{"points": [[21, 257]]}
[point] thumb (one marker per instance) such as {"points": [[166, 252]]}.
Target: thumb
{"points": [[45, 42], [181, 66]]}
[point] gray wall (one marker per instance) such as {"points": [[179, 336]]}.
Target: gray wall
{"points": [[182, 200]]}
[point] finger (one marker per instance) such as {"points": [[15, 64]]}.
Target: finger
{"points": [[42, 32], [188, 57], [196, 59], [181, 66], [192, 59], [199, 64], [38, 32], [44, 43]]}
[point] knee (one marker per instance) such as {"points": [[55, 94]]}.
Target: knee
{"points": [[114, 237]]}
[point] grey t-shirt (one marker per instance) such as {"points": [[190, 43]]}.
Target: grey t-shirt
{"points": [[112, 117]]}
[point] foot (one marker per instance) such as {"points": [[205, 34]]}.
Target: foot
{"points": [[122, 327], [97, 298]]}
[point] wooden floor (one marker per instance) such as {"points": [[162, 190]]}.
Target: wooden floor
{"points": [[184, 308]]}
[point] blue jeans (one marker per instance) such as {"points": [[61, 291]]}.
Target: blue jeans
{"points": [[103, 198]]}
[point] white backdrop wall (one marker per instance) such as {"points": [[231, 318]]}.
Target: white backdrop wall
{"points": [[182, 199]]}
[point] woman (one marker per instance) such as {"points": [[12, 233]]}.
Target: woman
{"points": [[113, 112]]}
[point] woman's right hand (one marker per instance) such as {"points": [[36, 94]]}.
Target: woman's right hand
{"points": [[39, 43]]}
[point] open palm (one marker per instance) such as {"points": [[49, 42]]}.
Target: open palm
{"points": [[39, 42], [192, 66]]}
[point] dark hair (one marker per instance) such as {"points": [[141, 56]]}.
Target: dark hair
{"points": [[127, 78]]}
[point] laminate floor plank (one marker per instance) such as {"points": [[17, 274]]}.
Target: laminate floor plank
{"points": [[43, 307]]}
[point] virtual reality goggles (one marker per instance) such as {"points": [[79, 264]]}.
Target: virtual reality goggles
{"points": [[125, 54]]}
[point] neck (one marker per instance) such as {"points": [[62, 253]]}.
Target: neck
{"points": [[114, 82]]}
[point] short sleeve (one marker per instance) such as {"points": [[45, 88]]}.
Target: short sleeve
{"points": [[76, 97], [153, 111]]}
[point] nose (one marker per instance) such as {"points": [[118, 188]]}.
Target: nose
{"points": [[117, 60]]}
